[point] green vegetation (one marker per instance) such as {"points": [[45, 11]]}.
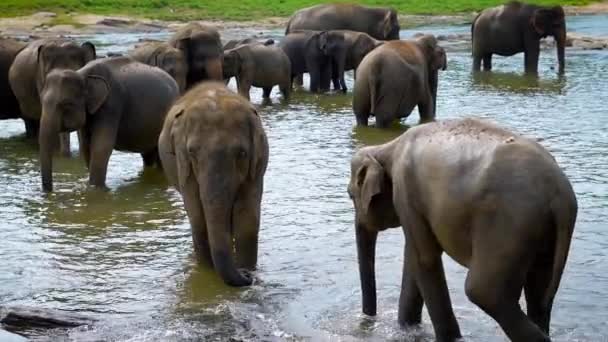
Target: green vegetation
{"points": [[237, 9]]}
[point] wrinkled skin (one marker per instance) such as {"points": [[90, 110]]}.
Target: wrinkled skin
{"points": [[316, 52], [9, 48], [202, 47], [515, 27], [260, 66], [103, 101], [27, 75], [166, 57], [214, 151], [380, 23], [231, 44], [396, 77], [461, 187]]}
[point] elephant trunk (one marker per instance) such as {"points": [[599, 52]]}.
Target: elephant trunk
{"points": [[366, 250], [218, 200], [213, 67], [561, 45], [47, 139]]}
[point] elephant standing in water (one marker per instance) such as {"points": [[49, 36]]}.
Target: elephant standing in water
{"points": [[164, 56], [496, 202], [9, 48], [115, 103], [202, 48], [231, 44], [516, 27], [396, 77], [380, 23], [29, 71], [215, 152]]}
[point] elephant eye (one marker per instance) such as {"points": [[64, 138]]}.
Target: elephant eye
{"points": [[241, 153]]}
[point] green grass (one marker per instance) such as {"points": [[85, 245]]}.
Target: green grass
{"points": [[237, 9]]}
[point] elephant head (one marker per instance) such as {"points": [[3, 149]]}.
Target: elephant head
{"points": [[231, 63], [362, 46], [221, 153], [332, 44], [202, 48], [173, 61], [62, 55], [371, 191], [68, 97], [389, 28], [551, 22]]}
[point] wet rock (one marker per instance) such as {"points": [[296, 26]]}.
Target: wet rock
{"points": [[6, 336], [20, 317]]}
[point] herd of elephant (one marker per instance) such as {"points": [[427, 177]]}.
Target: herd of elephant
{"points": [[495, 201]]}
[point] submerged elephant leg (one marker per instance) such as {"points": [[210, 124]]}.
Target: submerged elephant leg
{"points": [[535, 288], [102, 144], [476, 63], [531, 58], [266, 92], [151, 158], [487, 62], [285, 90], [299, 80], [84, 145], [64, 144], [426, 108], [32, 127], [410, 300]]}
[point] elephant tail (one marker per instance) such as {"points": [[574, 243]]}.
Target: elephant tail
{"points": [[288, 28], [374, 85], [564, 215]]}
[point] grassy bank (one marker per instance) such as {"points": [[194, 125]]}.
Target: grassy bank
{"points": [[237, 9]]}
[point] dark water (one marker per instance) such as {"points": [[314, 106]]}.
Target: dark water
{"points": [[125, 256]]}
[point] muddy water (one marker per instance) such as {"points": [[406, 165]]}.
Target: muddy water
{"points": [[125, 256]]}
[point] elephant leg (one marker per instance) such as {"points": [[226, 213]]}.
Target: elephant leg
{"points": [[32, 127], [410, 300], [315, 79], [531, 55], [325, 78], [285, 89], [151, 158], [487, 62], [244, 87], [535, 289], [426, 108], [476, 63], [196, 216], [64, 144], [84, 145], [299, 80], [266, 92], [102, 144]]}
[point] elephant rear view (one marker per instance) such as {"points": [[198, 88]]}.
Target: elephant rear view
{"points": [[517, 27], [380, 23], [215, 152], [115, 103]]}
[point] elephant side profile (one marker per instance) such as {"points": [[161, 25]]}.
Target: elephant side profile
{"points": [[358, 45], [494, 201], [516, 27], [29, 71], [202, 47], [164, 56], [214, 151], [260, 66], [231, 44], [115, 103], [9, 48], [380, 23], [316, 52], [396, 77]]}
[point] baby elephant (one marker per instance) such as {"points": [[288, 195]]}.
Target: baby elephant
{"points": [[396, 77], [164, 56], [494, 201], [214, 151], [260, 66], [115, 103]]}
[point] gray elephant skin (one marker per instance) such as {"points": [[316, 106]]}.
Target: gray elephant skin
{"points": [[28, 73], [316, 52], [260, 66], [115, 103], [494, 201], [516, 27], [396, 77], [202, 47], [358, 45], [380, 23], [164, 56], [9, 48], [215, 152], [231, 44]]}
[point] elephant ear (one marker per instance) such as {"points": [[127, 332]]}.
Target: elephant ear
{"points": [[97, 92], [322, 41], [89, 52], [259, 146], [541, 20], [370, 178]]}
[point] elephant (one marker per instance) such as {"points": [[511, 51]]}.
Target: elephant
{"points": [[214, 151], [9, 48], [202, 46], [164, 56], [315, 52], [115, 103], [29, 71], [260, 66], [516, 27], [231, 44], [494, 201], [380, 23], [395, 77]]}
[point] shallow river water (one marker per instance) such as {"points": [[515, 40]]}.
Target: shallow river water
{"points": [[125, 257]]}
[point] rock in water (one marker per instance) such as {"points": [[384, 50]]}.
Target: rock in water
{"points": [[24, 317]]}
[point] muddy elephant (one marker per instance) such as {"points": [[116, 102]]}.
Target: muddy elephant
{"points": [[214, 151], [516, 27], [202, 47], [9, 109], [115, 103], [380, 23], [461, 187], [29, 71], [260, 66], [396, 77], [231, 44], [164, 56], [358, 45], [316, 52]]}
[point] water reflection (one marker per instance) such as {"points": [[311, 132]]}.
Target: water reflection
{"points": [[498, 81]]}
